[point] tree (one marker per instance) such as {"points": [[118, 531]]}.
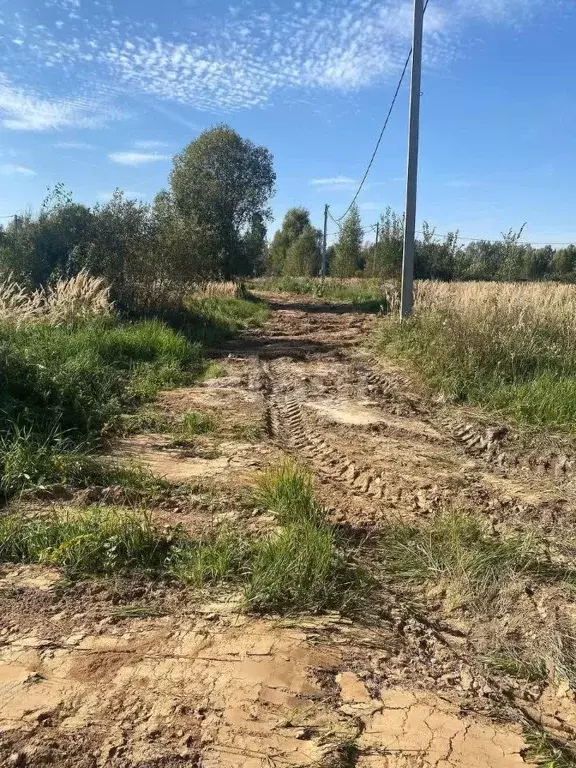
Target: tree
{"points": [[385, 259], [294, 224], [221, 182], [303, 256], [349, 246]]}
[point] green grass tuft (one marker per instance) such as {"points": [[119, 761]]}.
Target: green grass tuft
{"points": [[299, 568], [289, 492], [513, 665], [472, 561], [98, 541], [224, 557], [195, 423], [546, 752]]}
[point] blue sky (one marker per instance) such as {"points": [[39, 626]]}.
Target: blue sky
{"points": [[100, 94]]}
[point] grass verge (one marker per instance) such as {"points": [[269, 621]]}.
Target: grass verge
{"points": [[301, 566], [510, 348], [470, 560]]}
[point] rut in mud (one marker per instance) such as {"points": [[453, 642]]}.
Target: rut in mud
{"points": [[91, 676]]}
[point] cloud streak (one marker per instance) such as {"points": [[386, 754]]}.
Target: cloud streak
{"points": [[23, 110], [9, 169], [136, 159]]}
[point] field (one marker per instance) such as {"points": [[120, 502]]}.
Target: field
{"points": [[283, 528]]}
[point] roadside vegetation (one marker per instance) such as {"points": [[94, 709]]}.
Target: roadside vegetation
{"points": [[299, 566], [509, 347]]}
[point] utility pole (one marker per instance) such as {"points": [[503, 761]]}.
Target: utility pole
{"points": [[323, 269], [375, 249], [406, 298], [16, 222]]}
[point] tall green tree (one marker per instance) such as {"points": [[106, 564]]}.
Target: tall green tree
{"points": [[295, 222], [348, 256], [303, 256], [221, 182]]}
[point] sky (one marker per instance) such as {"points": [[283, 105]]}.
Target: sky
{"points": [[100, 94]]}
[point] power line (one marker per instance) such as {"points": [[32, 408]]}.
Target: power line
{"points": [[386, 121]]}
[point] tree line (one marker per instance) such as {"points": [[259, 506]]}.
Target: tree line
{"points": [[210, 224], [295, 250]]}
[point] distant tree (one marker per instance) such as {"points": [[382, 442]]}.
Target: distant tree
{"points": [[385, 259], [221, 182], [303, 256], [347, 258], [295, 222], [564, 261]]}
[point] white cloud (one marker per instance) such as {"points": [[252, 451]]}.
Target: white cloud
{"points": [[23, 110], [137, 158], [313, 45], [334, 181], [150, 144], [9, 169], [73, 145]]}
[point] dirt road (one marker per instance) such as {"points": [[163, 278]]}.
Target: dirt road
{"points": [[101, 675]]}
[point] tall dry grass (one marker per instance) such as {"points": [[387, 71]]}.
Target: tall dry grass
{"points": [[78, 297], [510, 346]]}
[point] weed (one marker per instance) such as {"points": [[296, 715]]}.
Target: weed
{"points": [[195, 423], [511, 664], [223, 557], [212, 371], [547, 751], [100, 540], [299, 568], [216, 319], [459, 549], [143, 420], [367, 295], [289, 492], [248, 432]]}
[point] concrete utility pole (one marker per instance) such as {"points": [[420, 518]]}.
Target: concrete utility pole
{"points": [[406, 298], [323, 268]]}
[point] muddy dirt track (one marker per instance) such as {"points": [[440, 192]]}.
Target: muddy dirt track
{"points": [[147, 675]]}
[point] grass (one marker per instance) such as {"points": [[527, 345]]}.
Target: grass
{"points": [[546, 751], [509, 347], [224, 557], [467, 557], [368, 295], [299, 568], [288, 491], [196, 423], [99, 541], [64, 386], [512, 664], [216, 319]]}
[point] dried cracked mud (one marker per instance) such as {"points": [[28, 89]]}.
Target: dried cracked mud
{"points": [[91, 677]]}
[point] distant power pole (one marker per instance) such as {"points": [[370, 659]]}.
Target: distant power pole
{"points": [[16, 222], [375, 249], [406, 298], [323, 269]]}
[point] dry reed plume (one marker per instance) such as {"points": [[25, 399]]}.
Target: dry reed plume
{"points": [[78, 297]]}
